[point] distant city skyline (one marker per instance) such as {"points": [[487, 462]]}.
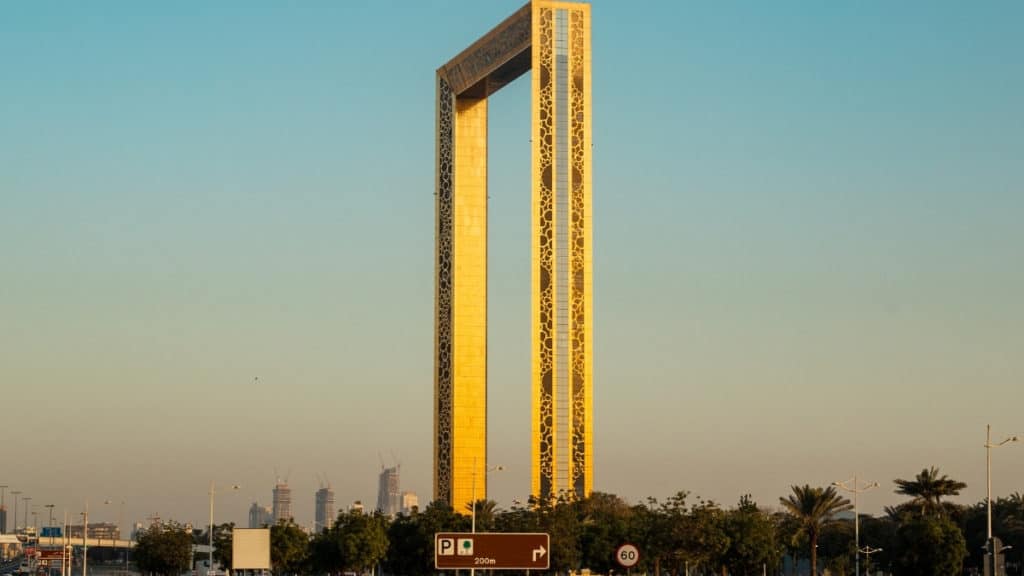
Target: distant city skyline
{"points": [[281, 502], [216, 247], [324, 509], [389, 491]]}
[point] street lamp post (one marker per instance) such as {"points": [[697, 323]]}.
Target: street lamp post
{"points": [[213, 492], [497, 468], [868, 551], [472, 504], [15, 494], [988, 470], [85, 541], [65, 543], [24, 502], [120, 514], [120, 520], [856, 487], [991, 552], [3, 506]]}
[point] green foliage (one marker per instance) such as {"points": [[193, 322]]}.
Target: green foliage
{"points": [[355, 543], [648, 531], [518, 519], [1007, 525], [836, 547], [164, 549], [289, 548], [559, 519], [702, 536], [813, 508], [927, 490], [671, 535], [411, 538], [752, 539], [878, 534], [223, 545], [930, 545], [485, 514], [604, 526]]}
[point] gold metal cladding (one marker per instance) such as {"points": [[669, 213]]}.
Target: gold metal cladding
{"points": [[552, 38]]}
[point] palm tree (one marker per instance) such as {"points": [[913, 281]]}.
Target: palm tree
{"points": [[813, 508], [928, 488], [485, 513]]}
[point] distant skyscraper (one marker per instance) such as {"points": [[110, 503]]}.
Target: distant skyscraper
{"points": [[389, 499], [3, 520], [409, 501], [260, 516], [324, 509], [282, 502]]}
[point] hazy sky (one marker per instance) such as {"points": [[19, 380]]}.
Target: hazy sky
{"points": [[807, 239]]}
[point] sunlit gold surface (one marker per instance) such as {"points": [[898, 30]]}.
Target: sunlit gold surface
{"points": [[561, 226], [470, 306]]}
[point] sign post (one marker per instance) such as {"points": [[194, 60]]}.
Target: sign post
{"points": [[492, 550]]}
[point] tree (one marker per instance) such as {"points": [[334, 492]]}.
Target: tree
{"points": [[878, 534], [604, 526], [289, 547], [928, 488], [791, 538], [836, 547], [222, 545], [813, 508], [362, 540], [485, 514], [519, 519], [702, 536], [648, 529], [411, 538], [930, 545], [164, 548], [559, 518], [752, 542], [668, 531]]}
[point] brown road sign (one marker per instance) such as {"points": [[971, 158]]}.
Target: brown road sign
{"points": [[492, 550]]}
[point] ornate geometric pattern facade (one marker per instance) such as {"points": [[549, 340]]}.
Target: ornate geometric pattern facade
{"points": [[443, 297], [553, 39]]}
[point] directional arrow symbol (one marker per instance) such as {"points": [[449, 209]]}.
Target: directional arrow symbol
{"points": [[539, 553]]}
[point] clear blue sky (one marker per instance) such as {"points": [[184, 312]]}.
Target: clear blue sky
{"points": [[808, 247]]}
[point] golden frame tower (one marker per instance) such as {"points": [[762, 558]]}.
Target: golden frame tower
{"points": [[553, 39]]}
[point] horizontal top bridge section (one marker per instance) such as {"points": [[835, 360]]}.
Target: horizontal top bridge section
{"points": [[497, 58]]}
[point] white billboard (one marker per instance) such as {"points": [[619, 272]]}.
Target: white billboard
{"points": [[250, 549]]}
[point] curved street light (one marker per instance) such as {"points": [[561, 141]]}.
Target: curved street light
{"points": [[214, 492], [120, 517], [868, 551], [988, 469], [488, 470], [856, 487]]}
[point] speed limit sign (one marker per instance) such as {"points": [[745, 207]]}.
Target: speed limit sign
{"points": [[627, 555]]}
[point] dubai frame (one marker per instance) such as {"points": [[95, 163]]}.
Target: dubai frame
{"points": [[553, 39]]}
